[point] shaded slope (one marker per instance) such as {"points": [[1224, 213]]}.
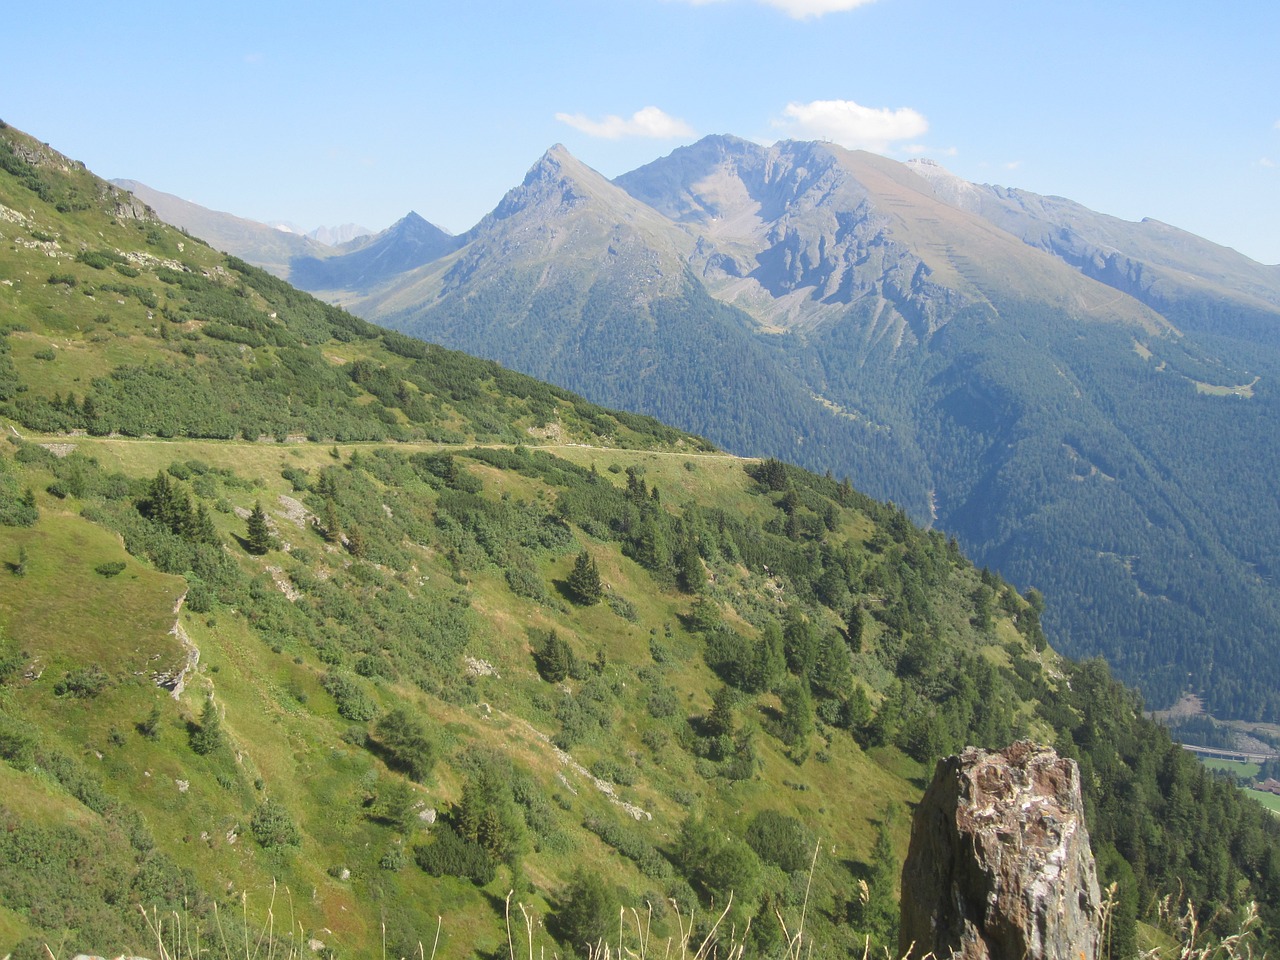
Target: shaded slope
{"points": [[361, 265]]}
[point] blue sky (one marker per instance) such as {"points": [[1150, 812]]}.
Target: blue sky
{"points": [[323, 113]]}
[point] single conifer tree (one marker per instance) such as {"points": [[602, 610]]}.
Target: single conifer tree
{"points": [[554, 658], [259, 534], [356, 544], [201, 528], [584, 583], [329, 522], [150, 727], [206, 737]]}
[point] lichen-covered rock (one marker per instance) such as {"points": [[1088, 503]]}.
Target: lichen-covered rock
{"points": [[999, 866]]}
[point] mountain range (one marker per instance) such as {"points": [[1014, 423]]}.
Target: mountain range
{"points": [[274, 247], [1086, 403], [321, 637]]}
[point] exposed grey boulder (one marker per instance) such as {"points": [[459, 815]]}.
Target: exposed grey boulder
{"points": [[999, 866]]}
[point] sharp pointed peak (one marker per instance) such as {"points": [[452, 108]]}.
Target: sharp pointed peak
{"points": [[558, 165], [558, 157], [414, 222]]}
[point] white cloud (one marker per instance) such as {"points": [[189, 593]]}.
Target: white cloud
{"points": [[851, 124], [1012, 165], [801, 9], [647, 122], [1267, 162], [804, 9]]}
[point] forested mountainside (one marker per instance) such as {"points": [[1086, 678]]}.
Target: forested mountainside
{"points": [[287, 596], [1077, 414]]}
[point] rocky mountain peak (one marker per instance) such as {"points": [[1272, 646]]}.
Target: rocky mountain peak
{"points": [[999, 866], [558, 179]]}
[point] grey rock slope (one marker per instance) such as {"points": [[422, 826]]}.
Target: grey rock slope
{"points": [[802, 234]]}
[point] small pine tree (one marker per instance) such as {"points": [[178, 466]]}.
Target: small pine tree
{"points": [[853, 626], [880, 909], [588, 912], [797, 719], [329, 522], [554, 658], [206, 737], [201, 528], [259, 534], [689, 571], [272, 826], [356, 544], [407, 743], [584, 583], [150, 727], [720, 720]]}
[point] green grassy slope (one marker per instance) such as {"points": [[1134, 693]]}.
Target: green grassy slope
{"points": [[403, 708]]}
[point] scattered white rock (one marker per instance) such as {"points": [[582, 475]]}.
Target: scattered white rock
{"points": [[284, 583], [13, 216], [141, 259], [480, 668], [177, 682], [604, 786], [295, 511]]}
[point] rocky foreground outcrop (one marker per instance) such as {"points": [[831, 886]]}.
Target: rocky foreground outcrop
{"points": [[999, 866]]}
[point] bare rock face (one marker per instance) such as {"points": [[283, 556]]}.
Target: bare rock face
{"points": [[999, 866]]}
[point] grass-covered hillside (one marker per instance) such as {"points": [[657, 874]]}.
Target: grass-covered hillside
{"points": [[287, 598]]}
